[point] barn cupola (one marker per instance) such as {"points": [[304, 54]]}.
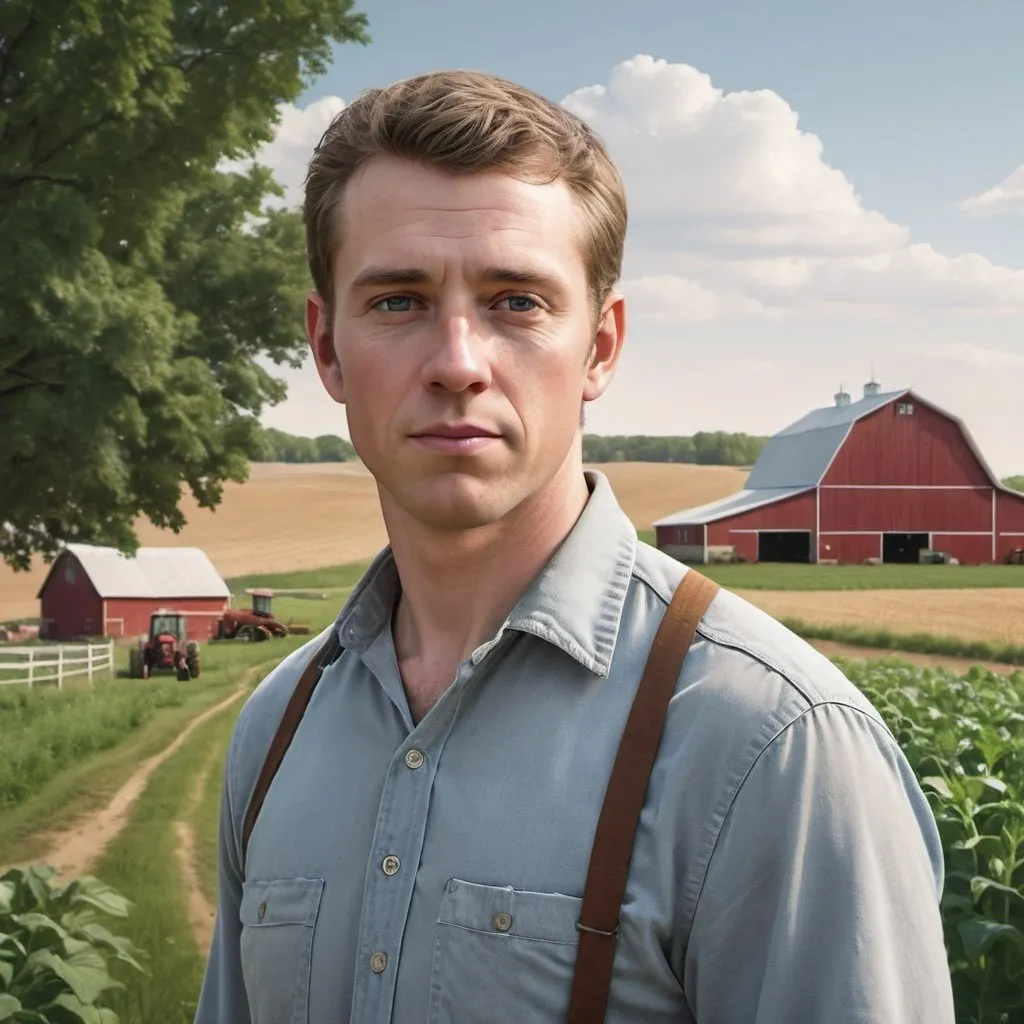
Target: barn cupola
{"points": [[872, 388], [842, 397]]}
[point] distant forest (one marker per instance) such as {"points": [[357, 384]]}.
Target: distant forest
{"points": [[705, 448]]}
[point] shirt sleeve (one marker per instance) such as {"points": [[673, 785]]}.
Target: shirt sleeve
{"points": [[821, 899], [222, 997]]}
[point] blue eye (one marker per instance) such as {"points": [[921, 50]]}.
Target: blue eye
{"points": [[520, 304], [394, 304]]}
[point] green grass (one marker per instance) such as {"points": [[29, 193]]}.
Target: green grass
{"points": [[87, 782], [919, 643], [329, 578], [773, 576], [205, 816], [142, 864]]}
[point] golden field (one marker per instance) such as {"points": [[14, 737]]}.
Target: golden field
{"points": [[288, 517], [994, 615]]}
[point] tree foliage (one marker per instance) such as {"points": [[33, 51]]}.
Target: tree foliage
{"points": [[714, 448], [279, 446], [139, 284], [1015, 483]]}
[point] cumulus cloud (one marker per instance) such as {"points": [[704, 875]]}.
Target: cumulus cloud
{"points": [[669, 298], [1006, 197], [297, 133], [729, 195]]}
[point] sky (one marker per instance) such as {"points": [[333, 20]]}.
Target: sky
{"points": [[817, 193]]}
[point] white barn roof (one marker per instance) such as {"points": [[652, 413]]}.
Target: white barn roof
{"points": [[734, 504], [154, 573]]}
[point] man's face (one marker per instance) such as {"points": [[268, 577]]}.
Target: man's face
{"points": [[462, 339]]}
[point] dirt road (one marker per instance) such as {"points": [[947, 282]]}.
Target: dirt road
{"points": [[74, 851]]}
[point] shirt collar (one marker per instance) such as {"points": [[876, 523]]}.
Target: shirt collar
{"points": [[575, 602]]}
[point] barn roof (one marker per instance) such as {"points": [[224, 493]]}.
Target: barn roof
{"points": [[798, 457], [154, 573], [734, 504]]}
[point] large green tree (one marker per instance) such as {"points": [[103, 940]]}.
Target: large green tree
{"points": [[139, 284]]}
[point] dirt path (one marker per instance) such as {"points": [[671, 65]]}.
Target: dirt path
{"points": [[960, 665], [201, 913], [74, 851]]}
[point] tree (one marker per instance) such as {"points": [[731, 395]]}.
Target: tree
{"points": [[139, 283], [1015, 483]]}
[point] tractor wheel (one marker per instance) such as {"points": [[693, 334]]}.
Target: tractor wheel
{"points": [[135, 663], [192, 660]]}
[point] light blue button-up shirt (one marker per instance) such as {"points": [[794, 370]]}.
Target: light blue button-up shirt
{"points": [[787, 867]]}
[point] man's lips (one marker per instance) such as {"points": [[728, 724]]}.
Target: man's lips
{"points": [[455, 439]]}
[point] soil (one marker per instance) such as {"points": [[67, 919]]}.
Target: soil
{"points": [[201, 913]]}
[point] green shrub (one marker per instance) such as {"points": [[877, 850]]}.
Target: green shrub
{"points": [[55, 953]]}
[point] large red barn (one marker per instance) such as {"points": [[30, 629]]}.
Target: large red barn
{"points": [[883, 478], [97, 591]]}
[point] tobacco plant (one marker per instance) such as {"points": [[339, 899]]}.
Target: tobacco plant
{"points": [[55, 953], [964, 737]]}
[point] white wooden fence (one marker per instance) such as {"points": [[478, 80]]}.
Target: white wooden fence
{"points": [[53, 663]]}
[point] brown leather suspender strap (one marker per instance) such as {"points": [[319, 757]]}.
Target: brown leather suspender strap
{"points": [[283, 737], [624, 798]]}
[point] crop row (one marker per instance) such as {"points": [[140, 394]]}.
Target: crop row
{"points": [[964, 738]]}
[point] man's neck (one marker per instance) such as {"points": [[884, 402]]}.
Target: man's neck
{"points": [[457, 589]]}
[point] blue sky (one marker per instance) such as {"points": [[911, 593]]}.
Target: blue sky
{"points": [[916, 107]]}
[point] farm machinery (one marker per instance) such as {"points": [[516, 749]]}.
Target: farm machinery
{"points": [[254, 623], [167, 646]]}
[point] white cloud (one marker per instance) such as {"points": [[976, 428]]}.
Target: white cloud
{"points": [[297, 133], [1006, 197], [670, 298], [980, 358], [729, 194]]}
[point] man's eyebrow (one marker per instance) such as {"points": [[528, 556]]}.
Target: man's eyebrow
{"points": [[386, 277], [389, 277]]}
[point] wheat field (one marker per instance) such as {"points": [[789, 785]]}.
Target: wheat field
{"points": [[304, 516]]}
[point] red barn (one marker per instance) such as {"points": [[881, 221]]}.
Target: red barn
{"points": [[97, 591], [885, 478]]}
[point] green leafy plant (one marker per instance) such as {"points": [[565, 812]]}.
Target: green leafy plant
{"points": [[55, 954], [964, 738]]}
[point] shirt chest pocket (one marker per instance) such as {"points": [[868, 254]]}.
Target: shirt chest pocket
{"points": [[502, 954], [278, 917]]}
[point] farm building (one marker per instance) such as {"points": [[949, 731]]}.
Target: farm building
{"points": [[97, 591], [885, 477]]}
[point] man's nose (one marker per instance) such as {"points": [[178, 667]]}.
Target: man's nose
{"points": [[459, 358]]}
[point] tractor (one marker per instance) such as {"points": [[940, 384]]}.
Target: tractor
{"points": [[257, 623], [166, 647]]}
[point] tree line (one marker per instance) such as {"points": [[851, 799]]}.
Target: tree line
{"points": [[705, 448], [1015, 483]]}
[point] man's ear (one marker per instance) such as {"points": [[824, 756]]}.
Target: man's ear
{"points": [[320, 334], [609, 337]]}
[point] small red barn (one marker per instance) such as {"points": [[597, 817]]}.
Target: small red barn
{"points": [[97, 591], [884, 478]]}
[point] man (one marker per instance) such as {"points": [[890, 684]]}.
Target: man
{"points": [[422, 850]]}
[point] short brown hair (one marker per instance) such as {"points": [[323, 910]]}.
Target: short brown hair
{"points": [[466, 121]]}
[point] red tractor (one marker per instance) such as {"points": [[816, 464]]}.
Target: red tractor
{"points": [[257, 623], [166, 647]]}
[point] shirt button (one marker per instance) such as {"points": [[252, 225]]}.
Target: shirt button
{"points": [[502, 921], [262, 912], [414, 759], [391, 865], [378, 962]]}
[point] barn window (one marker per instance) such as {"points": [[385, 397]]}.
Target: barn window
{"points": [[906, 408], [69, 573]]}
